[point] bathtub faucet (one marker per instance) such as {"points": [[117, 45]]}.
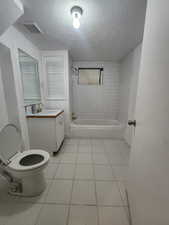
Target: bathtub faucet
{"points": [[74, 117]]}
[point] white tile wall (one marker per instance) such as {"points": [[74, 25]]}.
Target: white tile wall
{"points": [[97, 101]]}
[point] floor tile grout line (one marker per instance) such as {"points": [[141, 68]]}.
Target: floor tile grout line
{"points": [[119, 188], [39, 213], [47, 191], [64, 204], [71, 194], [73, 180], [86, 179], [116, 181], [68, 205], [56, 171], [98, 219], [121, 193]]}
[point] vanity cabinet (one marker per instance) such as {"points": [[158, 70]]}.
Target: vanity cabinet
{"points": [[46, 131], [59, 130]]}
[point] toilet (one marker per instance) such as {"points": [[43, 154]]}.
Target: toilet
{"points": [[23, 169]]}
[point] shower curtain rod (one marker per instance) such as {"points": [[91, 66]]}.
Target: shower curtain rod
{"points": [[87, 68], [90, 68]]}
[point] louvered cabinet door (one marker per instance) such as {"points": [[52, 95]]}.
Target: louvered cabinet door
{"points": [[55, 77]]}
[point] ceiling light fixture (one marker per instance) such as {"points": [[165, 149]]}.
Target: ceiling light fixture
{"points": [[76, 13]]}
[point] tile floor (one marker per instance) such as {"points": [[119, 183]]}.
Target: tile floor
{"points": [[85, 186]]}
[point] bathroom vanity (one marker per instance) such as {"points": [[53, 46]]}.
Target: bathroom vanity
{"points": [[46, 130]]}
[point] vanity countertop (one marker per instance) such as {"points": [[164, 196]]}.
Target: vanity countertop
{"points": [[45, 114]]}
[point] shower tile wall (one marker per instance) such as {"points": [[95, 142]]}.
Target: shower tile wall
{"points": [[97, 101]]}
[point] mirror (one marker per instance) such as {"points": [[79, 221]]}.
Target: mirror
{"points": [[30, 78]]}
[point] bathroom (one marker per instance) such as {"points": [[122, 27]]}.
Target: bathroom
{"points": [[84, 113]]}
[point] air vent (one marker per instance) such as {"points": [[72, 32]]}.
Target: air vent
{"points": [[33, 28]]}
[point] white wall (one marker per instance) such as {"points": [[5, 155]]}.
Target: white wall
{"points": [[129, 74], [8, 85], [10, 11], [70, 87], [97, 101], [3, 111], [129, 70], [149, 167], [13, 39]]}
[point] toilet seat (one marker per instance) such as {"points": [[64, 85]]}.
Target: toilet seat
{"points": [[23, 169], [15, 162]]}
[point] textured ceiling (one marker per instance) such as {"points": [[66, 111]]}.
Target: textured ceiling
{"points": [[109, 30]]}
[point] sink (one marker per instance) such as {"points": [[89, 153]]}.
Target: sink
{"points": [[45, 112], [48, 111]]}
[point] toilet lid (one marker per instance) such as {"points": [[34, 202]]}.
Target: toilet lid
{"points": [[10, 142]]}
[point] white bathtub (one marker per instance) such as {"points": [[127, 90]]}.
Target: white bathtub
{"points": [[96, 128]]}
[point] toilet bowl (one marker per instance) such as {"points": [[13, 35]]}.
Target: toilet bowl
{"points": [[24, 169], [27, 168]]}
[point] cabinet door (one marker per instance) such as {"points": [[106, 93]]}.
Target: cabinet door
{"points": [[59, 130], [42, 134], [54, 69]]}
